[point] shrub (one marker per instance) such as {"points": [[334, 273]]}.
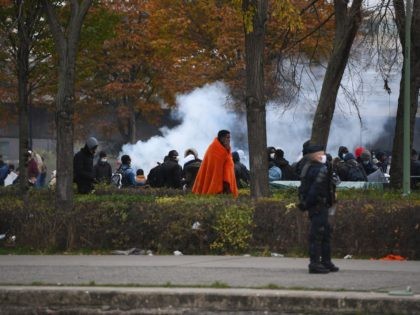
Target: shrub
{"points": [[366, 224]]}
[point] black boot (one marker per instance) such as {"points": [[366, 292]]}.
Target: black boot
{"points": [[330, 266], [317, 268]]}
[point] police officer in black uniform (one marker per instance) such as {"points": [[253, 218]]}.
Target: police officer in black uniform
{"points": [[318, 197]]}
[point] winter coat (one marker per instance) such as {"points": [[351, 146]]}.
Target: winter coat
{"points": [[352, 171], [83, 170], [190, 171], [242, 175], [288, 173], [172, 174], [128, 176], [317, 185], [103, 172], [369, 167]]}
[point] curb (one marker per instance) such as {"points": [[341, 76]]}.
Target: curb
{"points": [[115, 300]]}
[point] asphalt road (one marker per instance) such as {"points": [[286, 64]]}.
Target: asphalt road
{"points": [[234, 271]]}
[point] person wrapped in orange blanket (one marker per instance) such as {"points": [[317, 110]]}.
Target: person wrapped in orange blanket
{"points": [[216, 174]]}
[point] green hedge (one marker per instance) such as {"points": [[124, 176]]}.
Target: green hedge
{"points": [[366, 224]]}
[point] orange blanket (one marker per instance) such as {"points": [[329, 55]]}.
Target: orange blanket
{"points": [[217, 167]]}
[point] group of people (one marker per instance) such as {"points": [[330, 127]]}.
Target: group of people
{"points": [[169, 173], [35, 167], [166, 174]]}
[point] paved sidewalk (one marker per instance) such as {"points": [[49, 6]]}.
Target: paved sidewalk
{"points": [[234, 271]]}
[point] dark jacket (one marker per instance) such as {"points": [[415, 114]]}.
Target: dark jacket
{"points": [[241, 172], [172, 174], [352, 170], [287, 171], [317, 183], [369, 167], [103, 172], [298, 166], [4, 171], [190, 171], [83, 170]]}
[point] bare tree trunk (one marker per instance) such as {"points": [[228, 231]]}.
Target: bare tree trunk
{"points": [[348, 20], [66, 43], [23, 73], [255, 97], [397, 149]]}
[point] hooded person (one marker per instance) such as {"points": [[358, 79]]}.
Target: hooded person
{"points": [[216, 174], [83, 166], [191, 166]]}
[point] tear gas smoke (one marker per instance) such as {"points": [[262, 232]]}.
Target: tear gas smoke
{"points": [[203, 113]]}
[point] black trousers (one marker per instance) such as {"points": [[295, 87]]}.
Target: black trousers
{"points": [[319, 235]]}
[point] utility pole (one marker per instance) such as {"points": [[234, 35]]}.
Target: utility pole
{"points": [[407, 99]]}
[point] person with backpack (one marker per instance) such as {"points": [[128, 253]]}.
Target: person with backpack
{"points": [[316, 197], [128, 177], [172, 171], [352, 170]]}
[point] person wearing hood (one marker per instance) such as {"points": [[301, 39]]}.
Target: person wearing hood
{"points": [[241, 172], [191, 166], [317, 197], [172, 171], [83, 166], [103, 170], [366, 159]]}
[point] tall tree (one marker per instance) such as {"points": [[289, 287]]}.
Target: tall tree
{"points": [[255, 95], [25, 18], [347, 19], [66, 40], [397, 149], [27, 15]]}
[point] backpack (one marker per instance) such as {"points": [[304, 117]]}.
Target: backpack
{"points": [[304, 187], [355, 174], [155, 178], [116, 178]]}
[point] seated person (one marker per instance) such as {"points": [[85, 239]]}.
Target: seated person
{"points": [[140, 178]]}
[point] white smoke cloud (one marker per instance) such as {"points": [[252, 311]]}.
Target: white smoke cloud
{"points": [[203, 113]]}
